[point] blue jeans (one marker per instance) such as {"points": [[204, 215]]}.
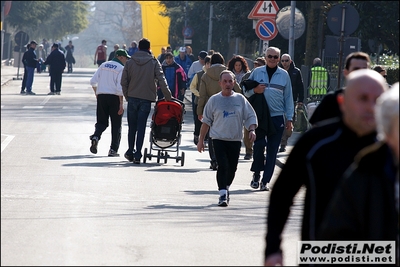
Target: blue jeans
{"points": [[29, 78], [272, 144], [138, 112]]}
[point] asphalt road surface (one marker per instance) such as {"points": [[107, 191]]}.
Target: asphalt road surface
{"points": [[62, 205]]}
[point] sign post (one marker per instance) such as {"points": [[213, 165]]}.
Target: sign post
{"points": [[264, 12], [21, 39]]}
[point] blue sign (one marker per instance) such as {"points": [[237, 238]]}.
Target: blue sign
{"points": [[266, 29], [187, 32]]}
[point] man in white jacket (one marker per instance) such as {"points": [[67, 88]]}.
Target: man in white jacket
{"points": [[106, 83]]}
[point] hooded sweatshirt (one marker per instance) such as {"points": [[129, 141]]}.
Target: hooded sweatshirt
{"points": [[210, 85], [140, 76]]}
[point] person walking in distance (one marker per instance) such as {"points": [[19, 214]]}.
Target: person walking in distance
{"points": [[196, 66], [224, 116], [139, 81], [24, 62], [274, 83], [175, 76], [319, 159], [133, 48], [56, 60], [100, 56], [69, 56], [297, 90], [112, 54], [31, 61], [319, 80], [106, 84], [328, 110], [195, 88]]}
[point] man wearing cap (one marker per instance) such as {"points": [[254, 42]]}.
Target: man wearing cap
{"points": [[31, 61], [183, 60], [175, 76], [56, 60], [106, 84]]}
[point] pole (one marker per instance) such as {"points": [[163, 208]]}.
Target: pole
{"points": [[2, 32], [185, 10], [291, 28], [341, 46], [210, 26]]}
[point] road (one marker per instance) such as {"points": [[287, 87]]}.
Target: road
{"points": [[62, 205]]}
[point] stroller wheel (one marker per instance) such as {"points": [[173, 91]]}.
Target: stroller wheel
{"points": [[183, 159], [158, 156], [145, 155]]}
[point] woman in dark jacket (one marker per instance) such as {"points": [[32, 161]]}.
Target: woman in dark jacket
{"points": [[69, 57]]}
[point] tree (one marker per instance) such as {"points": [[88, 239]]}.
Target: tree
{"points": [[50, 19]]}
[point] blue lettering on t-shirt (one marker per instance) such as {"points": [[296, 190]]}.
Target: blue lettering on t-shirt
{"points": [[226, 113], [111, 66]]}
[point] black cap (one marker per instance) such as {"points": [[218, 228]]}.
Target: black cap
{"points": [[33, 42], [203, 54]]}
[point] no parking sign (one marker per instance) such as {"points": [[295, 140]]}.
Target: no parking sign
{"points": [[266, 29]]}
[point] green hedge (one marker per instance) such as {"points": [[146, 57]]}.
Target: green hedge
{"points": [[392, 75]]}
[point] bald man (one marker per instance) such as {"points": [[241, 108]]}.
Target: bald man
{"points": [[319, 159]]}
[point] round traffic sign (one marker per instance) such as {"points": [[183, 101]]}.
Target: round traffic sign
{"points": [[187, 32], [346, 14], [21, 38], [266, 29]]}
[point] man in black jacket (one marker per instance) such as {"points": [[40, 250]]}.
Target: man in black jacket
{"points": [[56, 60], [298, 93], [366, 204], [23, 86], [31, 61], [319, 159]]}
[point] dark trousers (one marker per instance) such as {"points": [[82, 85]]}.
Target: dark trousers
{"points": [[197, 122], [211, 151], [55, 81], [23, 86], [69, 64], [227, 155], [272, 145], [107, 107]]}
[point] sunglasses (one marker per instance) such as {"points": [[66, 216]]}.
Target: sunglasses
{"points": [[385, 76], [275, 57], [285, 60]]}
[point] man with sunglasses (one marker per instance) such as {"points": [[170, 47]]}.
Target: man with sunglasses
{"points": [[298, 93], [275, 85]]}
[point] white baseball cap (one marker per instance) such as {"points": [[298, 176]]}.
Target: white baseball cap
{"points": [[182, 49]]}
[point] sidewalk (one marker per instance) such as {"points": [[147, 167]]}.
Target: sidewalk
{"points": [[10, 72]]}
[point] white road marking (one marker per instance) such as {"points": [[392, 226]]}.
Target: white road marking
{"points": [[5, 143]]}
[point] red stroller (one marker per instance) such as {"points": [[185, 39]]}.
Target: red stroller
{"points": [[165, 132]]}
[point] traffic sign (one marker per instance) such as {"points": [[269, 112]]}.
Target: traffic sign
{"points": [[264, 9], [21, 39], [187, 32], [266, 29]]}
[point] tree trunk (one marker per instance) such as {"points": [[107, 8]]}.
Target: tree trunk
{"points": [[313, 33]]}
